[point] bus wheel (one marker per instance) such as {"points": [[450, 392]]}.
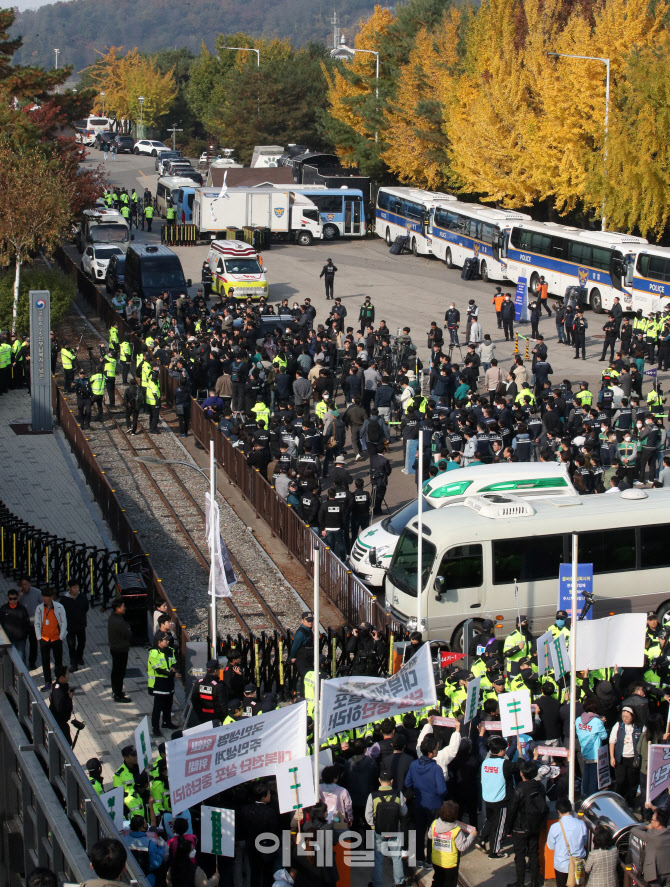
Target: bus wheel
{"points": [[596, 301], [457, 637], [388, 237], [663, 613], [448, 261], [534, 282], [415, 250], [484, 271], [304, 238], [330, 232]]}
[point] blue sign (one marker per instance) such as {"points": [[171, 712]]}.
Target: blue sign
{"points": [[584, 583], [652, 372], [521, 301]]}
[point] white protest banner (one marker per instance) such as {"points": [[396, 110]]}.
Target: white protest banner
{"points": [[551, 751], [295, 785], [217, 831], [515, 714], [444, 722], [604, 777], [202, 765], [492, 726], [113, 803], [543, 655], [199, 728], [348, 702], [559, 656], [658, 771], [472, 700], [614, 640], [143, 744]]}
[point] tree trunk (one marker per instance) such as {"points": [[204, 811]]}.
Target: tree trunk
{"points": [[15, 306]]}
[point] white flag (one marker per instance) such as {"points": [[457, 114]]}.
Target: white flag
{"points": [[223, 193], [218, 583]]}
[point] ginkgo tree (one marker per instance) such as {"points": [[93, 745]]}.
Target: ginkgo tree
{"points": [[124, 79]]}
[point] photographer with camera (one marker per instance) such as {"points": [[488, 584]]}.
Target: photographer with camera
{"points": [[366, 645]]}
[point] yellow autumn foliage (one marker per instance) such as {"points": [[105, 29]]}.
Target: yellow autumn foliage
{"points": [[124, 79]]}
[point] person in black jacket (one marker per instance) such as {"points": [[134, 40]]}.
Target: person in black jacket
{"points": [[60, 704], [367, 649], [525, 823], [260, 822], [76, 608], [15, 622], [119, 635], [182, 405], [328, 272], [132, 399]]}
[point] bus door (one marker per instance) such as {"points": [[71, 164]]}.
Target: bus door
{"points": [[352, 216]]}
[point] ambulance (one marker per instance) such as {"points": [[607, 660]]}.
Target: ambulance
{"points": [[236, 265]]}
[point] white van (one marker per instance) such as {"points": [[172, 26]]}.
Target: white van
{"points": [[167, 192], [235, 264], [475, 555], [374, 547]]}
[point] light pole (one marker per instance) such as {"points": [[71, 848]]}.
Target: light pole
{"points": [[102, 96], [57, 52], [346, 53], [606, 62], [211, 480], [140, 99], [258, 67]]}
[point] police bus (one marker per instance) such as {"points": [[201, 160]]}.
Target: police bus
{"points": [[342, 210], [460, 231], [595, 261], [648, 278], [407, 212], [475, 554]]}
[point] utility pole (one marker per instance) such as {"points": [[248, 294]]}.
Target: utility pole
{"points": [[174, 132]]}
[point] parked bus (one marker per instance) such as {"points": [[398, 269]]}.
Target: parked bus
{"points": [[649, 280], [595, 261], [461, 231], [341, 210], [89, 128], [474, 556], [407, 212]]}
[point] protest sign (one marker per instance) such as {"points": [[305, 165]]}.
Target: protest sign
{"points": [[217, 831], [614, 640], [543, 655], [348, 703], [551, 751], [658, 771], [295, 785], [444, 722], [472, 700], [604, 777], [559, 656], [200, 766], [143, 744], [113, 804], [449, 658], [584, 584], [492, 726], [515, 714]]}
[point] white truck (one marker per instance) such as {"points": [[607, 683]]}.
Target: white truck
{"points": [[288, 215]]}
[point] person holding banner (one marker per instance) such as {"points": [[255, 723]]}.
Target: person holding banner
{"points": [[624, 754]]}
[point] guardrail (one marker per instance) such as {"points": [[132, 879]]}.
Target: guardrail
{"points": [[40, 780]]}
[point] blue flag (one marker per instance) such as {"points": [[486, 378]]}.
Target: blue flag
{"points": [[653, 372]]}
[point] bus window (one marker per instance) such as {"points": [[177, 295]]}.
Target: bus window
{"points": [[658, 268], [610, 551], [601, 258], [526, 560], [462, 567], [654, 549], [489, 234], [383, 200], [402, 571], [559, 248], [580, 253], [522, 239], [541, 244]]}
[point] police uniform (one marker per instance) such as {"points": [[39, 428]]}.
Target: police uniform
{"points": [[68, 357], [161, 670], [511, 649], [84, 392], [98, 393]]}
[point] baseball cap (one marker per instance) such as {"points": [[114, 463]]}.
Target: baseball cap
{"points": [[212, 663], [128, 750], [498, 680], [562, 614], [522, 618], [629, 709], [161, 636], [234, 704], [487, 624], [250, 688], [308, 615], [93, 764], [652, 614]]}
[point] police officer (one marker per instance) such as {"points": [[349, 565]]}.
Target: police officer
{"points": [[485, 642], [235, 712], [148, 214], [310, 686], [208, 698], [331, 523], [360, 508], [250, 704], [580, 326], [153, 401], [162, 671], [98, 393], [584, 397], [128, 772], [68, 357], [84, 392], [611, 330], [380, 471], [5, 364], [328, 273], [653, 628], [526, 679], [170, 214], [207, 277], [94, 770], [518, 645], [125, 355], [367, 314], [560, 626], [60, 703], [109, 370]]}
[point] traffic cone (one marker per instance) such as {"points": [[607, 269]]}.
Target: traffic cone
{"points": [[516, 343]]}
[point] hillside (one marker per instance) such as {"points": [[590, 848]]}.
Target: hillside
{"points": [[80, 27]]}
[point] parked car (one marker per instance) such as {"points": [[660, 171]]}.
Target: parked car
{"points": [[115, 273], [103, 138], [177, 166], [124, 144], [190, 174], [162, 158], [148, 146], [96, 258]]}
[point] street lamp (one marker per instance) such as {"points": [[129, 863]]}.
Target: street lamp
{"points": [[258, 66], [140, 99], [102, 96], [346, 53], [211, 479], [57, 51], [606, 62]]}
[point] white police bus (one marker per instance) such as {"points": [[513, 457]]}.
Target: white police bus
{"points": [[595, 261], [649, 279], [341, 210], [460, 231], [407, 212], [474, 554]]}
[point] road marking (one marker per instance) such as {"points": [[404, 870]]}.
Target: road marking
{"points": [[142, 173]]}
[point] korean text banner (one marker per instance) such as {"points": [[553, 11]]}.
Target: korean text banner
{"points": [[348, 703], [658, 771], [200, 766]]}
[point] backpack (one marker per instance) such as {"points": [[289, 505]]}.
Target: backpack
{"points": [[536, 810], [387, 812], [374, 431]]}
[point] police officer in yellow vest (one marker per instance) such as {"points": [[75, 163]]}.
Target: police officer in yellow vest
{"points": [[114, 336], [125, 355], [148, 215], [126, 774], [235, 712], [309, 684], [559, 626], [161, 672], [262, 413], [68, 357], [98, 389], [160, 790], [153, 401], [109, 371], [5, 364], [94, 770], [519, 645], [170, 214], [584, 397], [321, 407]]}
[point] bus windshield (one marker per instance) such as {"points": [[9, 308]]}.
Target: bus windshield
{"points": [[108, 233], [402, 572], [162, 273], [397, 522]]}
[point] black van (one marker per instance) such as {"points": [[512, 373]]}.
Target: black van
{"points": [[153, 270]]}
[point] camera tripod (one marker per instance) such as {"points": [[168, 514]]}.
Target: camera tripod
{"points": [[453, 345]]}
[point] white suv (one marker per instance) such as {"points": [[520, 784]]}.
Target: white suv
{"points": [[96, 258], [146, 146]]}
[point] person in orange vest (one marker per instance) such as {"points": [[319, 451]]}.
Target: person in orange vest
{"points": [[543, 293], [498, 299]]}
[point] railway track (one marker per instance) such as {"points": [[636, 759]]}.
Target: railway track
{"points": [[163, 505]]}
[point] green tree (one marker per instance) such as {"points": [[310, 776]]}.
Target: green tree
{"points": [[63, 291]]}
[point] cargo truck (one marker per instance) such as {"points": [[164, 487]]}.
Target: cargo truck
{"points": [[288, 216]]}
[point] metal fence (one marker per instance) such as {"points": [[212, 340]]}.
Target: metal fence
{"points": [[51, 813]]}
